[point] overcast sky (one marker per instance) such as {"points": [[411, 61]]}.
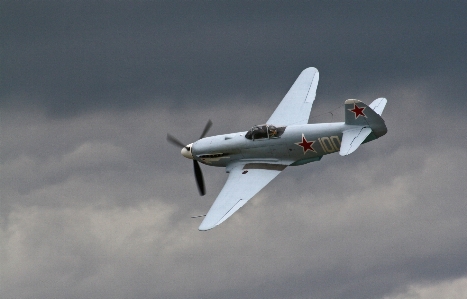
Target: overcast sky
{"points": [[96, 204]]}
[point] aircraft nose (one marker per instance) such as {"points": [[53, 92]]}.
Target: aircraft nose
{"points": [[186, 151]]}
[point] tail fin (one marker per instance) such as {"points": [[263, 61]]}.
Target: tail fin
{"points": [[367, 121], [358, 113]]}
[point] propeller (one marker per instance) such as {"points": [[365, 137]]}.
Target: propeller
{"points": [[197, 170], [199, 178], [206, 129], [175, 141]]}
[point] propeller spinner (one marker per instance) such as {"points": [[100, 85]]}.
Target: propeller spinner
{"points": [[187, 153]]}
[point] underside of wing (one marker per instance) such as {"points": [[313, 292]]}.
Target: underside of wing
{"points": [[245, 180], [295, 108]]}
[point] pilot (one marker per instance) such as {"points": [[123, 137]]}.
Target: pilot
{"points": [[272, 131], [259, 132]]}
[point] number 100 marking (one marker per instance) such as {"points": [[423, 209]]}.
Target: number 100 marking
{"points": [[330, 144]]}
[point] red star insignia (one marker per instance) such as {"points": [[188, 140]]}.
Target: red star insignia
{"points": [[358, 111], [306, 145]]}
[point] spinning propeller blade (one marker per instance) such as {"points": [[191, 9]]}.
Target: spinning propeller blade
{"points": [[199, 178], [197, 170], [175, 141], [206, 129]]}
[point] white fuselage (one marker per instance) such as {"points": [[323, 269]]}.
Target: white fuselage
{"points": [[290, 148]]}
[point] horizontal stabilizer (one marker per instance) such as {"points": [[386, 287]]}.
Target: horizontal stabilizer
{"points": [[351, 139], [378, 105]]}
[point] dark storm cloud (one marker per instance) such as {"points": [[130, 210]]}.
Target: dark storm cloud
{"points": [[96, 203], [118, 225], [79, 56]]}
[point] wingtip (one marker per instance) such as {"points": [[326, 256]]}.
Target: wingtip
{"points": [[203, 228], [311, 69], [207, 224]]}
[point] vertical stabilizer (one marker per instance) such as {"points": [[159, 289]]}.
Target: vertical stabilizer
{"points": [[358, 113]]}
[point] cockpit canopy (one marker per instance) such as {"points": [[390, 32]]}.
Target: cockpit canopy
{"points": [[264, 132]]}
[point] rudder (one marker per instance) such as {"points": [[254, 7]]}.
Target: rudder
{"points": [[358, 113]]}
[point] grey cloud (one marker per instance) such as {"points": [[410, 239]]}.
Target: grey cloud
{"points": [[359, 227], [362, 245]]}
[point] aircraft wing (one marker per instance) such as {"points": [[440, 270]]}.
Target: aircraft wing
{"points": [[245, 180], [295, 108]]}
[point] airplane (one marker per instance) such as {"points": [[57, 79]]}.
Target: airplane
{"points": [[255, 157]]}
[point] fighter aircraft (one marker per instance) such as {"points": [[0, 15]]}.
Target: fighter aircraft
{"points": [[255, 157]]}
